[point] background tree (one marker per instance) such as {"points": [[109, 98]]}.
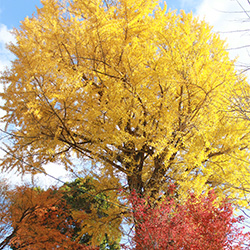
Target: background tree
{"points": [[59, 217], [5, 225], [50, 220], [98, 219], [135, 89], [39, 220], [199, 223]]}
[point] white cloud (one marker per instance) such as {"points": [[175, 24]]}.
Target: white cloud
{"points": [[56, 171], [5, 55], [229, 19], [5, 35], [53, 170]]}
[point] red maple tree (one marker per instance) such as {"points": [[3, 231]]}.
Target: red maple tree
{"points": [[199, 223]]}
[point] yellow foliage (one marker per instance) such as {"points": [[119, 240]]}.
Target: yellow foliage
{"points": [[139, 90]]}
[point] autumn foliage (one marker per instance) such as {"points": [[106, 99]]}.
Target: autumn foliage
{"points": [[40, 220], [135, 88], [136, 95], [47, 220], [199, 223]]}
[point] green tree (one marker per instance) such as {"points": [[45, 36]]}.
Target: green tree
{"points": [[91, 208]]}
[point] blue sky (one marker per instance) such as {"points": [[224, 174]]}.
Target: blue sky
{"points": [[13, 11]]}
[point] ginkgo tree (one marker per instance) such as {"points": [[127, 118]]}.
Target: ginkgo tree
{"points": [[131, 86]]}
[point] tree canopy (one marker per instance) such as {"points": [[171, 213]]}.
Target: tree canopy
{"points": [[98, 220], [39, 220], [74, 216], [138, 90], [199, 223]]}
